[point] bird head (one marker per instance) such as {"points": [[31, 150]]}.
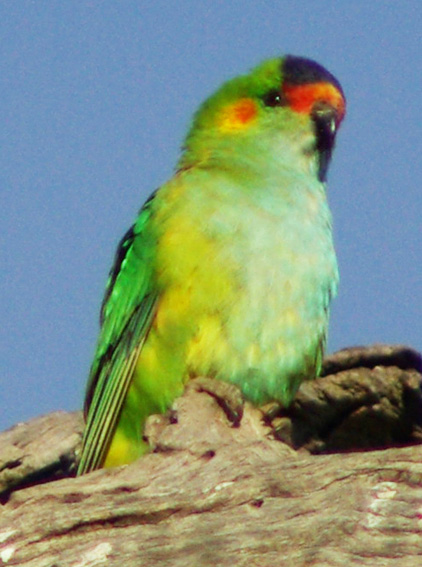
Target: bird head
{"points": [[290, 106]]}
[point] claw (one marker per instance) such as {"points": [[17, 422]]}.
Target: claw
{"points": [[226, 395]]}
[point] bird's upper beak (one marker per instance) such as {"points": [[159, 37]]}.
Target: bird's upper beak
{"points": [[326, 120]]}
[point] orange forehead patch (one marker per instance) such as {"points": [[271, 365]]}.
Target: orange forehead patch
{"points": [[301, 98], [237, 115]]}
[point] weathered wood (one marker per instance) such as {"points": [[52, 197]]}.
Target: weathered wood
{"points": [[38, 450], [214, 494]]}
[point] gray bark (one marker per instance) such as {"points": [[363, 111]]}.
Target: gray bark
{"points": [[335, 480]]}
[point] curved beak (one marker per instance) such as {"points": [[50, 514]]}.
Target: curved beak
{"points": [[324, 117]]}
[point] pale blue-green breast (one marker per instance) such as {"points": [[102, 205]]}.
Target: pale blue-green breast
{"points": [[278, 241]]}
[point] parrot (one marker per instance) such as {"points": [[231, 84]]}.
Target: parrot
{"points": [[229, 269]]}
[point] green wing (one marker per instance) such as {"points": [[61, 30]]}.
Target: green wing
{"points": [[126, 314]]}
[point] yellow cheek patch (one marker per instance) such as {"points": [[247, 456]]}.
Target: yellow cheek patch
{"points": [[237, 115]]}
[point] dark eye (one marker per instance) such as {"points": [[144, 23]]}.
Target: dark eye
{"points": [[273, 98]]}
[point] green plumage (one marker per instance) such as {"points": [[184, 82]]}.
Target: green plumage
{"points": [[230, 268]]}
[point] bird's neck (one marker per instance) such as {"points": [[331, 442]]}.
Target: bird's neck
{"points": [[262, 159]]}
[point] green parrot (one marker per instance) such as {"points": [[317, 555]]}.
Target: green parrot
{"points": [[229, 269]]}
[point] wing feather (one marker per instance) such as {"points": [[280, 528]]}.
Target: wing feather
{"points": [[127, 312]]}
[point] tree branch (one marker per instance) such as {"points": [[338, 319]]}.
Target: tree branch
{"points": [[215, 494]]}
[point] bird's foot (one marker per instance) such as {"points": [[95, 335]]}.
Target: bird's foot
{"points": [[226, 395]]}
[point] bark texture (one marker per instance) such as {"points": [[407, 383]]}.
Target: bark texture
{"points": [[335, 480]]}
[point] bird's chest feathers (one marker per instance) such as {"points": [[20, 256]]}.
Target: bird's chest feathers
{"points": [[251, 259], [252, 281], [279, 253]]}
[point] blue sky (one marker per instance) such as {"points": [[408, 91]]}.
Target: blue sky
{"points": [[95, 101]]}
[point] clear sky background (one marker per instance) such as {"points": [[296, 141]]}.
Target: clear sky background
{"points": [[95, 100]]}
